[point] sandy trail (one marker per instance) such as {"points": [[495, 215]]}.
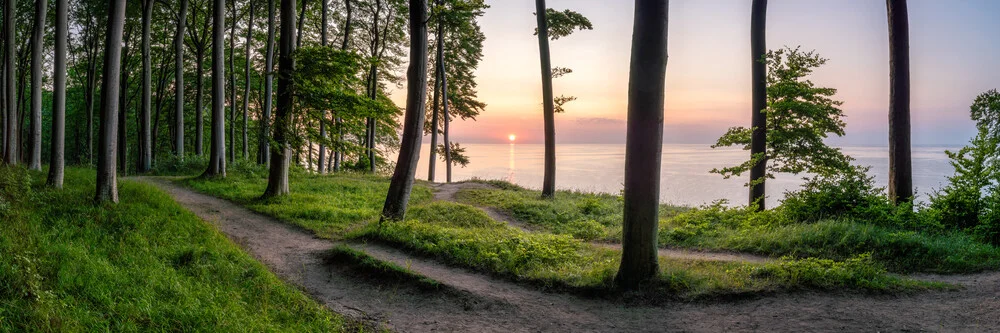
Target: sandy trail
{"points": [[473, 302], [449, 192]]}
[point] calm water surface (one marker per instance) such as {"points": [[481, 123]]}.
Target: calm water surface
{"points": [[684, 180]]}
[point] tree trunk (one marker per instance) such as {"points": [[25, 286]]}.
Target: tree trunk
{"points": [[122, 152], [644, 144], [758, 119], [179, 81], [264, 144], [232, 89], [322, 119], [277, 180], [447, 119], [548, 111], [339, 155], [107, 181], [90, 91], [432, 161], [37, 42], [57, 160], [10, 156], [145, 134], [217, 154], [900, 170], [161, 83], [199, 121], [409, 152], [246, 77]]}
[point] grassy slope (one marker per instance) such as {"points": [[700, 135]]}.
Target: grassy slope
{"points": [[346, 206], [143, 265], [598, 217]]}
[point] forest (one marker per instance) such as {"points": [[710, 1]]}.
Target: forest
{"points": [[212, 165]]}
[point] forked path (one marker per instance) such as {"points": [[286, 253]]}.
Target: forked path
{"points": [[449, 192], [473, 302]]}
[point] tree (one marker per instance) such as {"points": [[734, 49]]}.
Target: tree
{"points": [[145, 135], [277, 180], [179, 79], [107, 181], [758, 119], [264, 145], [57, 155], [199, 42], [338, 154], [900, 169], [552, 24], [647, 82], [246, 88], [217, 154], [799, 117], [416, 95], [322, 119], [37, 43], [10, 35]]}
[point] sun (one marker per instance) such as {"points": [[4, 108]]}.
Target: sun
{"points": [[512, 137]]}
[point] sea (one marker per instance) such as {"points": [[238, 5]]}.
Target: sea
{"points": [[684, 179]]}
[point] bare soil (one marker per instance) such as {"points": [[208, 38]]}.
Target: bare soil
{"points": [[472, 302]]}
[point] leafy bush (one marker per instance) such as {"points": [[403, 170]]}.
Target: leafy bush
{"points": [[860, 272]]}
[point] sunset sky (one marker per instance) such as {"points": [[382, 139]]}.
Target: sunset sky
{"points": [[955, 55]]}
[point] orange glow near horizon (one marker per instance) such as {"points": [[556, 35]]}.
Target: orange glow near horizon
{"points": [[512, 137]]}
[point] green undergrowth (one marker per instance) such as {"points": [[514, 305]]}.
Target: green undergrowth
{"points": [[772, 233], [143, 265], [347, 206]]}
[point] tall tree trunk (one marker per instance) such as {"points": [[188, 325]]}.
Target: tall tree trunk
{"points": [[107, 181], [91, 87], [548, 111], [277, 179], [339, 154], [199, 121], [900, 169], [447, 119], [322, 119], [10, 34], [432, 161], [161, 83], [264, 145], [37, 42], [217, 154], [758, 119], [145, 134], [409, 152], [246, 78], [179, 80], [57, 155], [232, 89], [123, 109], [644, 144]]}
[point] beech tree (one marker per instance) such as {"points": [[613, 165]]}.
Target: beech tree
{"points": [[199, 42], [277, 180], [10, 35], [900, 168], [263, 144], [107, 181], [246, 76], [179, 79], [217, 154], [416, 95], [37, 43], [145, 155], [758, 117], [552, 24], [57, 155], [647, 82]]}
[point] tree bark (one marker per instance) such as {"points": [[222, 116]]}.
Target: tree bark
{"points": [[37, 43], [409, 153], [277, 180], [91, 86], [322, 119], [246, 77], [107, 181], [10, 34], [548, 111], [57, 156], [217, 154], [199, 121], [264, 144], [900, 169], [447, 119], [432, 161], [179, 80], [232, 89], [758, 119], [644, 144], [338, 154], [145, 134]]}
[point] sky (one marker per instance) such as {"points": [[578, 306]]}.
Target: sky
{"points": [[953, 50]]}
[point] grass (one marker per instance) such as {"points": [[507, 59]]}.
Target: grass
{"points": [[347, 207], [714, 227], [145, 264]]}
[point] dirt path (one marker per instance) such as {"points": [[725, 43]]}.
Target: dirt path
{"points": [[449, 192], [477, 303]]}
